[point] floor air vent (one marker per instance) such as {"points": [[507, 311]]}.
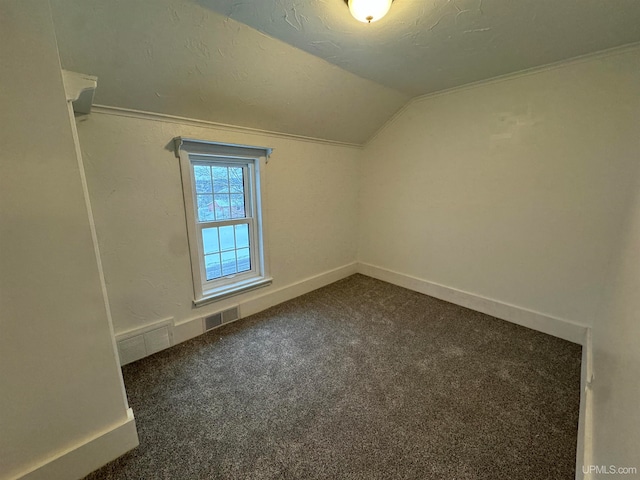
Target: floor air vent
{"points": [[217, 319], [212, 321], [230, 315]]}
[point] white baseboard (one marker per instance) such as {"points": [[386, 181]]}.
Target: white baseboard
{"points": [[557, 327], [79, 461], [255, 303], [187, 329], [584, 457]]}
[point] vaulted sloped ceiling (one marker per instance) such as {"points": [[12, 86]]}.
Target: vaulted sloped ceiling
{"points": [[423, 46], [306, 66], [180, 58]]}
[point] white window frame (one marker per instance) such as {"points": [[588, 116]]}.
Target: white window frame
{"points": [[198, 152]]}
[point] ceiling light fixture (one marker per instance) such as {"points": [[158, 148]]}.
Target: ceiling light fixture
{"points": [[368, 11]]}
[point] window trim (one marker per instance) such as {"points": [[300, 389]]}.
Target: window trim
{"points": [[189, 151]]}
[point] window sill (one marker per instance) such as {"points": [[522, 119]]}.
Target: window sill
{"points": [[226, 291]]}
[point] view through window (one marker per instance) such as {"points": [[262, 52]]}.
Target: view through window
{"points": [[221, 185]]}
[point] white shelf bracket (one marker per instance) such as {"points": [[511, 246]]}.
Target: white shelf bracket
{"points": [[79, 89]]}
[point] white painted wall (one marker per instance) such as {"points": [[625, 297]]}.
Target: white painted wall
{"points": [[60, 385], [512, 190], [134, 183], [616, 349]]}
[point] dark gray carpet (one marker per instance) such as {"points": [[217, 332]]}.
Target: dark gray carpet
{"points": [[357, 380]]}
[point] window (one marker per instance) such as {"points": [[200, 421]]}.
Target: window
{"points": [[221, 185]]}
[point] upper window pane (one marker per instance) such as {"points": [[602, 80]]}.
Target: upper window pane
{"points": [[236, 180], [222, 207], [221, 179], [205, 208], [202, 174], [237, 205], [220, 191]]}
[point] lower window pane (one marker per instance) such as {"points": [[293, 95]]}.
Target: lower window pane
{"points": [[244, 259], [226, 250], [229, 263], [242, 235], [227, 240], [210, 240], [213, 266]]}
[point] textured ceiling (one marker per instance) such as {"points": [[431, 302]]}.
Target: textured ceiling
{"points": [[179, 58], [307, 67], [426, 46]]}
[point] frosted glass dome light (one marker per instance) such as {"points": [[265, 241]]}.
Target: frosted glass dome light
{"points": [[368, 11]]}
